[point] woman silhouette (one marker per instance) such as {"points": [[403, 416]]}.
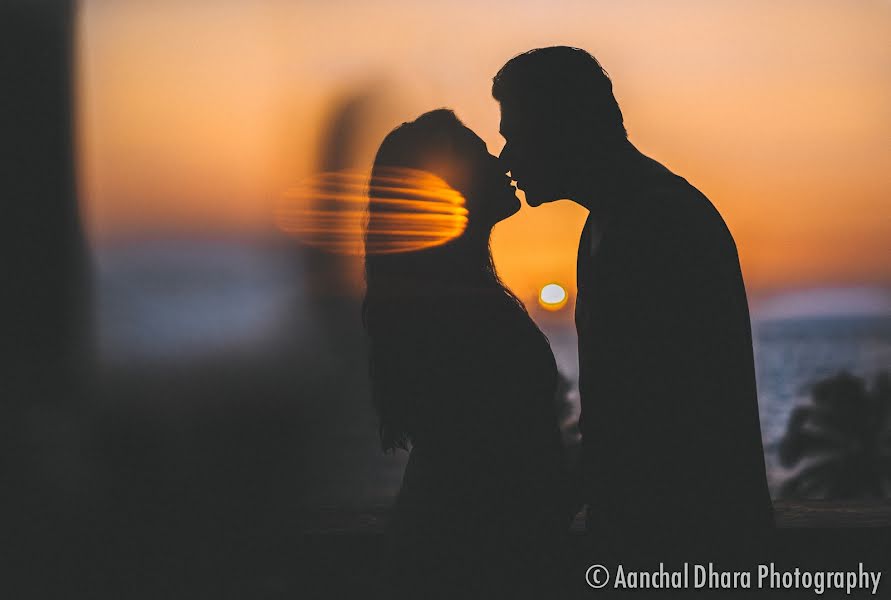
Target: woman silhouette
{"points": [[463, 378]]}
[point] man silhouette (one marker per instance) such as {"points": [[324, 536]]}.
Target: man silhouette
{"points": [[672, 457]]}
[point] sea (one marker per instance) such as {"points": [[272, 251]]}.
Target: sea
{"points": [[168, 302]]}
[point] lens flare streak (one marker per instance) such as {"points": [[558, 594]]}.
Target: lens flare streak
{"points": [[349, 212]]}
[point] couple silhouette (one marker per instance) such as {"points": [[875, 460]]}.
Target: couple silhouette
{"points": [[671, 463]]}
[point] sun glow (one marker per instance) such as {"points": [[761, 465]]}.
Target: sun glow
{"points": [[192, 116], [405, 209]]}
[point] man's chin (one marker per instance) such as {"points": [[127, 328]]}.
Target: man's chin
{"points": [[534, 200]]}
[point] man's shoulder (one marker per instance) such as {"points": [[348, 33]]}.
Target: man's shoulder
{"points": [[680, 212]]}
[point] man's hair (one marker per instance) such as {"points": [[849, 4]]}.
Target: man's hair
{"points": [[561, 87]]}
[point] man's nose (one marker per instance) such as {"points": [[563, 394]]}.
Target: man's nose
{"points": [[504, 159]]}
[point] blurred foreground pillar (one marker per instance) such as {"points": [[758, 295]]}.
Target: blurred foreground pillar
{"points": [[45, 271]]}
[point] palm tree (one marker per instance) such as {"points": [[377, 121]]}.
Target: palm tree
{"points": [[841, 441]]}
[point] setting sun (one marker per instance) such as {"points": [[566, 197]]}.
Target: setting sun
{"points": [[553, 297]]}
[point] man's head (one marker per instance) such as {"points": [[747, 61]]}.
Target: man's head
{"points": [[558, 114]]}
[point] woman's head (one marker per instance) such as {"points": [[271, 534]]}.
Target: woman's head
{"points": [[408, 294], [437, 142]]}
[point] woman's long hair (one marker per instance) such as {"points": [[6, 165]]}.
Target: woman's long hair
{"points": [[406, 291]]}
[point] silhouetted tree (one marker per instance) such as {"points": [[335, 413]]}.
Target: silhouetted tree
{"points": [[841, 440]]}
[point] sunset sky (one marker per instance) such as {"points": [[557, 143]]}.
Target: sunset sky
{"points": [[195, 117]]}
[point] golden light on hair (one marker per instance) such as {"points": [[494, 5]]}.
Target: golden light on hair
{"points": [[348, 212], [552, 297]]}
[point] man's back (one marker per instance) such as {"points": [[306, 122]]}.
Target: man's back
{"points": [[671, 438]]}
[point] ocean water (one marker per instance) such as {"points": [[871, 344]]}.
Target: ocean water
{"points": [[166, 302], [792, 354]]}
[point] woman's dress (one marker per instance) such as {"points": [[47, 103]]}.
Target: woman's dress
{"points": [[484, 502]]}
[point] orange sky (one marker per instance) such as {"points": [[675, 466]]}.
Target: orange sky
{"points": [[196, 116]]}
